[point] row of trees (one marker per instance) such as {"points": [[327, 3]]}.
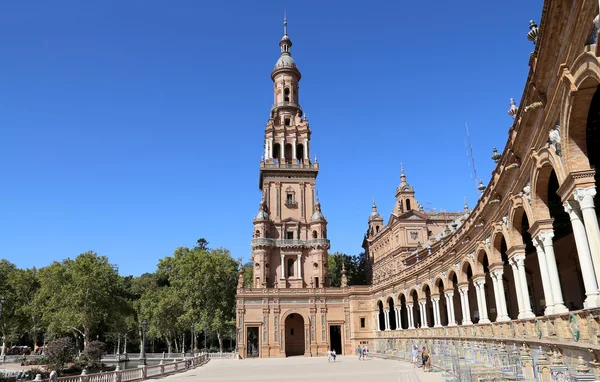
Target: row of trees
{"points": [[87, 299]]}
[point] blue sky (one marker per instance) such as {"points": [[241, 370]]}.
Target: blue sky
{"points": [[132, 128]]}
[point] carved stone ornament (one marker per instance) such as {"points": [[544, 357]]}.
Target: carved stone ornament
{"points": [[527, 192]]}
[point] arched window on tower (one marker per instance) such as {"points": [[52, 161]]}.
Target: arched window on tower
{"points": [[290, 267], [299, 152], [257, 234], [286, 95], [276, 151], [407, 204], [314, 234], [288, 153], [377, 229]]}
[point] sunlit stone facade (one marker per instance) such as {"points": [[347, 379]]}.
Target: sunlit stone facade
{"points": [[522, 268]]}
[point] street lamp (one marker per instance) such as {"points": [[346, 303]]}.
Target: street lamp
{"points": [[144, 329]]}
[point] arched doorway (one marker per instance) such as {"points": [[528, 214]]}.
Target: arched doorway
{"points": [[294, 335], [381, 316]]}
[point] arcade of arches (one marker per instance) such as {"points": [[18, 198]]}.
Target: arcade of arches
{"points": [[522, 266]]}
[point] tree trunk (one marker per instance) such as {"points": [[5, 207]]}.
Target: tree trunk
{"points": [[220, 338], [168, 344], [3, 345], [86, 337]]}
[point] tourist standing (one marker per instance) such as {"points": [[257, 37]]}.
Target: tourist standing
{"points": [[425, 358], [333, 354], [328, 355], [359, 350], [415, 355]]}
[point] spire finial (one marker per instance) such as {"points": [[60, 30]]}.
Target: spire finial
{"points": [[466, 205], [374, 205], [401, 169], [284, 23]]}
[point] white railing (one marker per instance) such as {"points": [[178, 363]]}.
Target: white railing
{"points": [[232, 355], [138, 374]]}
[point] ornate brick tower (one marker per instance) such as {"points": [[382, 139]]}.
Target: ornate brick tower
{"points": [[289, 248]]}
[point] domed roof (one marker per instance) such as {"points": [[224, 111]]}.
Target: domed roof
{"points": [[262, 215], [318, 215], [375, 216], [285, 61]]}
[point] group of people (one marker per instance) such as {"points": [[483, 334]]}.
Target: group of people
{"points": [[363, 352], [424, 355]]}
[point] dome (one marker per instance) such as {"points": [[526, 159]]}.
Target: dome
{"points": [[318, 215], [262, 215], [375, 216], [285, 61]]}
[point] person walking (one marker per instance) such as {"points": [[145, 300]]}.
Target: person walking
{"points": [[415, 356], [333, 354], [328, 355], [359, 350]]}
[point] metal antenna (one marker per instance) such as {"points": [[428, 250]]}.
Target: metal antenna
{"points": [[471, 158]]}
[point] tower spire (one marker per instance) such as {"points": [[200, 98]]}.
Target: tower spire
{"points": [[284, 23]]}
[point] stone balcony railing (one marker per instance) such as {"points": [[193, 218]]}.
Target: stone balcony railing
{"points": [[266, 242], [286, 104], [577, 329], [293, 166]]}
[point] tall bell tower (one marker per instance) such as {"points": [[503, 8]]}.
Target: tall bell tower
{"points": [[289, 245]]}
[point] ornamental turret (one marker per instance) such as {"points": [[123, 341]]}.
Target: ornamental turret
{"points": [[405, 196]]}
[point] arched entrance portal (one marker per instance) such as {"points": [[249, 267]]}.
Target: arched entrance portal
{"points": [[294, 335]]}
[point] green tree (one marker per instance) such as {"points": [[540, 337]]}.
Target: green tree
{"points": [[205, 281], [79, 295], [355, 269], [10, 323], [60, 352], [163, 309], [26, 286], [248, 274]]}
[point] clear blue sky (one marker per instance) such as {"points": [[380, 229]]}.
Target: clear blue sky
{"points": [[133, 127]]}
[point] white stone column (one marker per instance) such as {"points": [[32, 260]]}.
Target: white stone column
{"points": [[450, 308], [305, 148], [548, 293], [283, 267], [585, 258], [270, 148], [294, 149], [483, 310], [464, 294], [411, 321], [423, 305], [386, 315], [266, 149], [282, 150], [524, 290], [398, 319], [299, 266], [585, 197], [501, 311], [545, 238], [436, 312]]}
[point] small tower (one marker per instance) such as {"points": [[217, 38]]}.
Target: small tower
{"points": [[262, 224], [318, 232], [375, 221], [405, 195]]}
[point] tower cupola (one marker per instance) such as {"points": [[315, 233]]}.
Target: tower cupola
{"points": [[405, 195]]}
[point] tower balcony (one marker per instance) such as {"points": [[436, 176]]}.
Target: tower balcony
{"points": [[290, 165], [286, 104], [289, 243], [291, 203]]}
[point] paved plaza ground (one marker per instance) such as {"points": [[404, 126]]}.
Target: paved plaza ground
{"points": [[346, 368]]}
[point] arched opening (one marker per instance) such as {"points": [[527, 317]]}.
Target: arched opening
{"points": [[592, 138], [458, 317], [439, 288], [403, 312], [508, 279], [471, 294], [416, 311], [288, 153], [276, 151], [488, 287], [299, 152], [565, 251], [290, 267], [377, 228], [294, 335], [407, 204], [428, 306], [392, 314], [286, 95], [257, 234], [315, 235], [532, 267], [381, 316]]}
